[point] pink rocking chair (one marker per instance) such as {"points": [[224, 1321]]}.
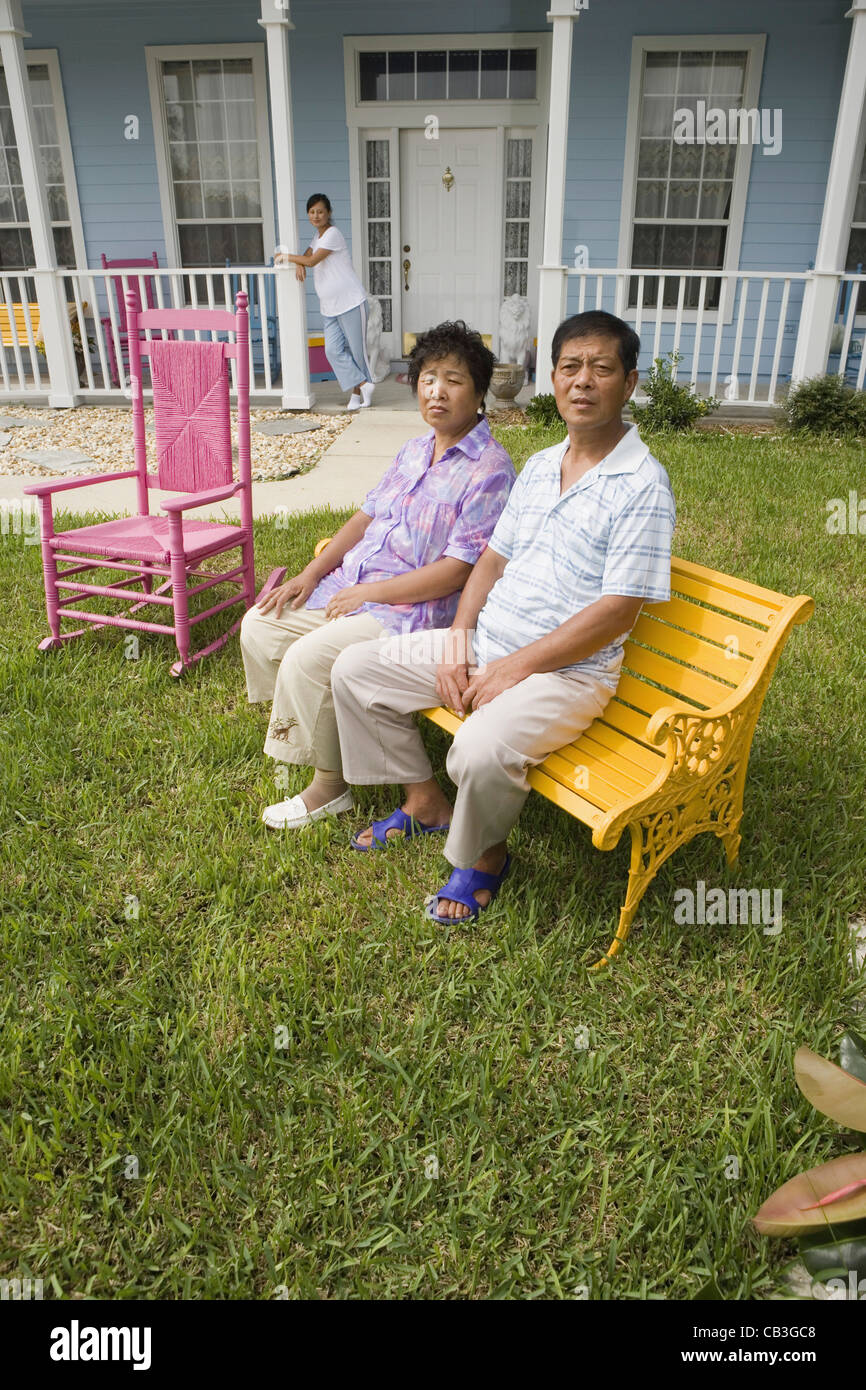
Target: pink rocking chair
{"points": [[194, 455]]}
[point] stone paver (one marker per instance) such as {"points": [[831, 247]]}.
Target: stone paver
{"points": [[285, 426], [58, 460]]}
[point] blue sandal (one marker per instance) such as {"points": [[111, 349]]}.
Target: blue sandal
{"points": [[459, 889], [398, 820]]}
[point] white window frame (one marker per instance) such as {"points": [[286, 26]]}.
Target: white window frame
{"points": [[154, 57], [860, 316], [754, 46], [536, 196], [48, 57], [381, 120]]}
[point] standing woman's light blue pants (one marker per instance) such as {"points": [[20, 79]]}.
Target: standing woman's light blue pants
{"points": [[346, 346]]}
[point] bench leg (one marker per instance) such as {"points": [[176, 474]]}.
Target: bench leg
{"points": [[655, 838], [731, 841], [730, 815], [640, 876]]}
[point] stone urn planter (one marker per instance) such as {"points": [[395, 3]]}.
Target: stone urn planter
{"points": [[507, 380]]}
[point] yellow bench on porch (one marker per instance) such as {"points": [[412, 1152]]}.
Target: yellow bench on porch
{"points": [[20, 315], [668, 758]]}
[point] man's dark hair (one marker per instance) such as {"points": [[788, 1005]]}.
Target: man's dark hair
{"points": [[318, 198], [597, 323], [457, 340]]}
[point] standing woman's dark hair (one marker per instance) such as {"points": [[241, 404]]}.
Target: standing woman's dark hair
{"points": [[318, 198], [457, 340]]}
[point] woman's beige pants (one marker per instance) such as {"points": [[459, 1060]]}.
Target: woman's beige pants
{"points": [[288, 660], [379, 685]]}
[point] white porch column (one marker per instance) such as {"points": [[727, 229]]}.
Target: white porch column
{"points": [[291, 301], [552, 282], [821, 294], [53, 315]]}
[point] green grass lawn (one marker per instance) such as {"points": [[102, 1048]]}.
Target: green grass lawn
{"points": [[164, 1138]]}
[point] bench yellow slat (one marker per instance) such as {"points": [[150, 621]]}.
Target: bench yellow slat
{"points": [[703, 622], [691, 650], [607, 783], [445, 718], [742, 606], [667, 672], [613, 740], [729, 583], [600, 782], [645, 698], [570, 801], [628, 723], [589, 750]]}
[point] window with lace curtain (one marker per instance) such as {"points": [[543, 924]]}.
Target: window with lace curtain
{"points": [[681, 218], [210, 114], [16, 242]]}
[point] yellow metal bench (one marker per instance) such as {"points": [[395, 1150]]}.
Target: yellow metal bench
{"points": [[668, 758]]}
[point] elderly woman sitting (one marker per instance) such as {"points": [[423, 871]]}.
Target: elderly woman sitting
{"points": [[398, 565]]}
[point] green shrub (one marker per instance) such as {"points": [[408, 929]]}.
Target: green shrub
{"points": [[825, 405], [542, 410], [671, 405]]}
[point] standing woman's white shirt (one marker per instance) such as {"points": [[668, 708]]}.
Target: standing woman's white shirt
{"points": [[337, 286]]}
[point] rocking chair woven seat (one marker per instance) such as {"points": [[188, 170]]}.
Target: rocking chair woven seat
{"points": [[147, 538]]}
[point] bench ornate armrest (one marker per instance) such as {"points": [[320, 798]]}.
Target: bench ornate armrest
{"points": [[707, 751]]}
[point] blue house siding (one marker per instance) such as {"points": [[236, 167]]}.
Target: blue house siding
{"points": [[804, 63], [101, 52]]}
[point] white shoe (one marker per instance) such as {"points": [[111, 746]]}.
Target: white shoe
{"points": [[367, 393], [292, 813], [355, 402]]}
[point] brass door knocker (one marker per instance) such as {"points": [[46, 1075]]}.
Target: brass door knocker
{"points": [[448, 178]]}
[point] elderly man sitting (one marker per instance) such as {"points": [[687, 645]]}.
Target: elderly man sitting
{"points": [[535, 649]]}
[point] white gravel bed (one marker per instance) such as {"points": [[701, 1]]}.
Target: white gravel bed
{"points": [[104, 433]]}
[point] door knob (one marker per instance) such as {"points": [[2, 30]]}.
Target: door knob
{"points": [[406, 265]]}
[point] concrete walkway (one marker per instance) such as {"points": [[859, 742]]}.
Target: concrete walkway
{"points": [[342, 478]]}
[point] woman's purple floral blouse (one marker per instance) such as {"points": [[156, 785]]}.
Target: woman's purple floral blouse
{"points": [[420, 514]]}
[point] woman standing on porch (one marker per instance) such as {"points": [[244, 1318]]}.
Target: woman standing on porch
{"points": [[342, 300]]}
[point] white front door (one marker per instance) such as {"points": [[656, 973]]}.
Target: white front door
{"points": [[450, 236]]}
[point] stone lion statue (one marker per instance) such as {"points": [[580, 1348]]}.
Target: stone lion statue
{"points": [[514, 331], [380, 363]]}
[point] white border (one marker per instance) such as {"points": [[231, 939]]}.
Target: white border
{"points": [[385, 119], [754, 45], [256, 51]]}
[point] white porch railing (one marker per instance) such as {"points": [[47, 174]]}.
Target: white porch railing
{"points": [[98, 331], [736, 331]]}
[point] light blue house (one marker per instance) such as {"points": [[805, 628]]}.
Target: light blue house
{"points": [[697, 169]]}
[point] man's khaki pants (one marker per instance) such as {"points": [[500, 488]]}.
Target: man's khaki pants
{"points": [[378, 686], [288, 660]]}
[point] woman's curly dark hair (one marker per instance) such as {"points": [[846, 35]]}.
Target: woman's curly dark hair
{"points": [[453, 339]]}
